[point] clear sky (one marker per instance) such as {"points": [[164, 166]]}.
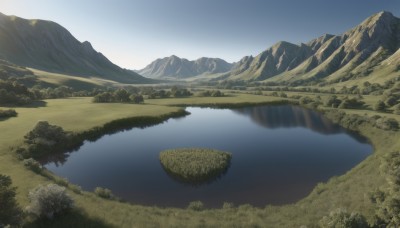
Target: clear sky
{"points": [[132, 33]]}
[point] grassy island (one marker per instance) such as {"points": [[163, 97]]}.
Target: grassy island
{"points": [[195, 164]]}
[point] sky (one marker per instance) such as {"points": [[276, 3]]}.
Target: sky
{"points": [[133, 33]]}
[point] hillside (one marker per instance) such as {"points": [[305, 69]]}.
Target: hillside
{"points": [[47, 46], [367, 52], [175, 67]]}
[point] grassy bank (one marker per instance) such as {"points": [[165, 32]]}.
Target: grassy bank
{"points": [[79, 114]]}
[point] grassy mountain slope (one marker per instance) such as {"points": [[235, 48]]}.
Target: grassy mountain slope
{"points": [[367, 52], [47, 46]]}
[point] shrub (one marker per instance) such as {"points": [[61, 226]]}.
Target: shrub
{"points": [[8, 113], [103, 193], [379, 106], [210, 93], [284, 95], [45, 132], [196, 206], [388, 199], [76, 189], [44, 139], [137, 99], [342, 219], [351, 103], [387, 124], [227, 205], [332, 101], [305, 100], [47, 201], [10, 212], [33, 165], [390, 101], [397, 109]]}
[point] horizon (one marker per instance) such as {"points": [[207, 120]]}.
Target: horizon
{"points": [[132, 39]]}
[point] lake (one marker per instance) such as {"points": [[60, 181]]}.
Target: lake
{"points": [[279, 154]]}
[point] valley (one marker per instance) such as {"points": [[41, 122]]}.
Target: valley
{"points": [[311, 130]]}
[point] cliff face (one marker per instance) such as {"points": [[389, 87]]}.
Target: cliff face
{"points": [[335, 58]]}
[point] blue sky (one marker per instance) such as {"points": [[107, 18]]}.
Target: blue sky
{"points": [[132, 33]]}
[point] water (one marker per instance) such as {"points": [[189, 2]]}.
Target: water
{"points": [[279, 154]]}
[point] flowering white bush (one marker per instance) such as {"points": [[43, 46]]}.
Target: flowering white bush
{"points": [[49, 200]]}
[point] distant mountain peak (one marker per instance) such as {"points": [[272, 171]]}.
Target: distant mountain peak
{"points": [[176, 67], [354, 54]]}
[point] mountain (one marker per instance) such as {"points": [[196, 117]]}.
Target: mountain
{"points": [[47, 46], [362, 52], [176, 67]]}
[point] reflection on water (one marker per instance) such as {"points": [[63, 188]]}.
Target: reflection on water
{"points": [[289, 116], [279, 153]]}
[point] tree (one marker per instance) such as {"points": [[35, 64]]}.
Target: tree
{"points": [[44, 130], [47, 201], [387, 200], [121, 95], [10, 212], [342, 219], [137, 99]]}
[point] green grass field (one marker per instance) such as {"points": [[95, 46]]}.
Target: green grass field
{"points": [[77, 114]]}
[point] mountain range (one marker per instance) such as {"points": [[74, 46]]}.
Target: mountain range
{"points": [[370, 49], [176, 67], [47, 46]]}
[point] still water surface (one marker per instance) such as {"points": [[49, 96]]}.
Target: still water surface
{"points": [[279, 154]]}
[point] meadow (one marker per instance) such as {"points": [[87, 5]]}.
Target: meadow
{"points": [[349, 191]]}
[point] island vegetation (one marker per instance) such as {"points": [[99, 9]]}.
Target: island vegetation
{"points": [[195, 165]]}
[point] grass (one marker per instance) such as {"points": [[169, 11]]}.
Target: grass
{"points": [[348, 191], [76, 82], [195, 165]]}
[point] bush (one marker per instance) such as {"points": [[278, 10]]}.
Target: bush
{"points": [[103, 193], [44, 139], [137, 99], [210, 93], [397, 109], [390, 101], [387, 124], [8, 113], [196, 206], [305, 100], [332, 101], [227, 205], [352, 103], [47, 201], [379, 106], [10, 212], [342, 219], [33, 165], [388, 199]]}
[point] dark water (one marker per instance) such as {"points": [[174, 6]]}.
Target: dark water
{"points": [[279, 154]]}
